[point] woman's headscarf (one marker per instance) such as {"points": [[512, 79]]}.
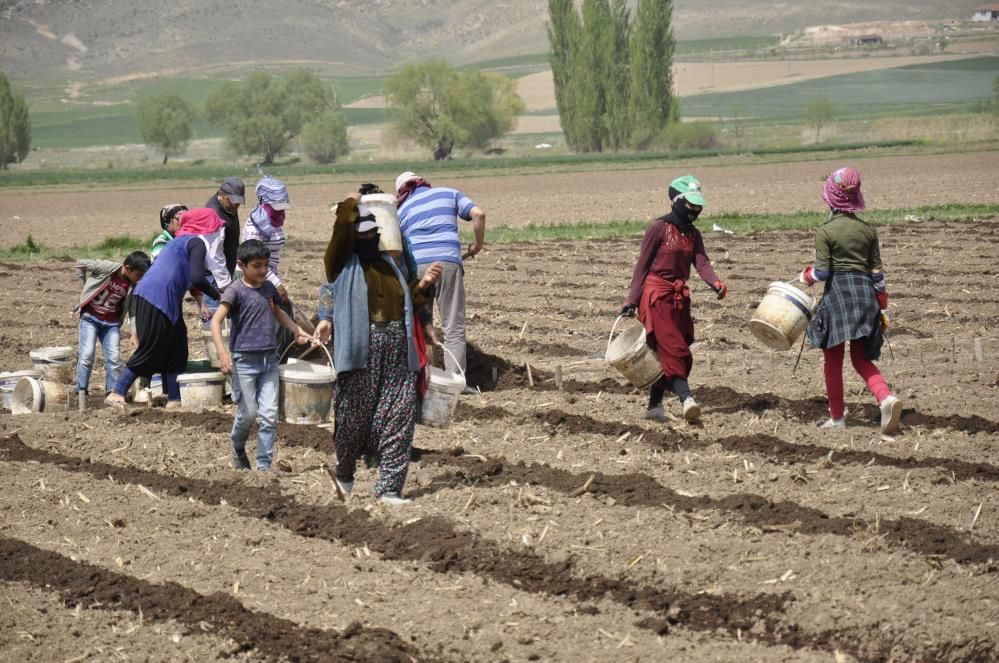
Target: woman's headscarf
{"points": [[273, 200], [210, 228], [199, 221], [842, 191], [406, 184]]}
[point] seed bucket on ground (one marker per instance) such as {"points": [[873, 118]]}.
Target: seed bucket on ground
{"points": [[201, 390], [34, 395], [632, 356], [55, 363]]}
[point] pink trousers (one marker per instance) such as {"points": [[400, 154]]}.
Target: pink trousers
{"points": [[833, 369]]}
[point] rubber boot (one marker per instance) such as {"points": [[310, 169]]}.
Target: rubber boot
{"points": [[81, 398]]}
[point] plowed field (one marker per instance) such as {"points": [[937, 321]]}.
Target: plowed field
{"points": [[550, 521]]}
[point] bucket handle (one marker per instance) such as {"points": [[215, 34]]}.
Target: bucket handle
{"points": [[610, 336], [313, 345], [453, 358]]}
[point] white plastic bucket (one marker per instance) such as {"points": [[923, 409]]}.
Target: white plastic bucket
{"points": [[782, 316], [34, 395], [213, 356], [9, 380], [441, 399], [382, 205], [55, 363], [306, 393], [201, 390], [632, 356]]}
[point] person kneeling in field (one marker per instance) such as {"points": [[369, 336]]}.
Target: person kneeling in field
{"points": [[253, 302], [376, 349], [659, 293], [107, 286], [854, 304]]}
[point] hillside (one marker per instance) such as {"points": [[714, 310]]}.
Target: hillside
{"points": [[100, 39]]}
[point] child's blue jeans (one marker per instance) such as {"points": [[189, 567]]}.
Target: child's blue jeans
{"points": [[109, 334], [255, 391]]}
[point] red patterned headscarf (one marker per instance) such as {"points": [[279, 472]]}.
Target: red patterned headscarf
{"points": [[842, 191]]}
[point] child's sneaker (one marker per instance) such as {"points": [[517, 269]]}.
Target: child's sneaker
{"points": [[239, 460], [834, 423], [395, 499], [691, 410], [656, 413], [343, 488], [891, 414]]}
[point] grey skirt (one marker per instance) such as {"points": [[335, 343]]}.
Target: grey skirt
{"points": [[849, 311]]}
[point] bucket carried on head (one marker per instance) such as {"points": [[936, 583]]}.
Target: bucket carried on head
{"points": [[201, 390], [441, 399], [782, 316], [55, 363], [9, 380], [382, 205], [306, 391], [632, 356], [34, 395]]}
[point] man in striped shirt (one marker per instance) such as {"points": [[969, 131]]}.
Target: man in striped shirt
{"points": [[428, 217]]}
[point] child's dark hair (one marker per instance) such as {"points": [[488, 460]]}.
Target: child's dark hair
{"points": [[138, 261], [252, 249]]}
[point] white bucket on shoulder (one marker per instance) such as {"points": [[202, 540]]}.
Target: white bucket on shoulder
{"points": [[632, 356], [8, 380], [201, 390], [441, 399], [34, 395], [782, 316], [306, 393], [55, 363], [382, 205]]}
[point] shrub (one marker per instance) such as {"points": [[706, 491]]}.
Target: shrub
{"points": [[688, 136]]}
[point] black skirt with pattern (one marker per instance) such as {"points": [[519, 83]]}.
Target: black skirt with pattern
{"points": [[849, 311]]}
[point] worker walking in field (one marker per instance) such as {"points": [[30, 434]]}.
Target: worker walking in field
{"points": [[428, 217], [854, 305], [659, 293]]}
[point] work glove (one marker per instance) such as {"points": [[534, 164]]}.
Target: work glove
{"points": [[882, 298], [885, 320], [720, 289], [807, 276], [628, 311]]}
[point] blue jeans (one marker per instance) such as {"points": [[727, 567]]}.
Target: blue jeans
{"points": [[255, 391], [211, 303], [109, 334]]}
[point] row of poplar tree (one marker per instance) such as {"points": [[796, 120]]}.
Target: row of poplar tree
{"points": [[613, 73], [15, 125]]}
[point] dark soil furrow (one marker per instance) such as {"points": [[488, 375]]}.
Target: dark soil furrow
{"points": [[434, 542], [641, 490], [273, 638]]}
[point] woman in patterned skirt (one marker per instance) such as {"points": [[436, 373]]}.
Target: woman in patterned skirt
{"points": [[376, 350], [854, 304]]}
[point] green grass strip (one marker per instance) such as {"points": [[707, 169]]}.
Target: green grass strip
{"points": [[110, 248], [738, 223]]}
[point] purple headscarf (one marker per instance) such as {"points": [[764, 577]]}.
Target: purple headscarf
{"points": [[842, 191]]}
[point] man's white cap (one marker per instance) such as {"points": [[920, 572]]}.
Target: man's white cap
{"points": [[405, 177]]}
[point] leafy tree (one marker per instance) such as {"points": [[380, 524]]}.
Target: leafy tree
{"points": [[564, 30], [592, 73], [651, 80], [443, 109], [15, 125], [324, 139], [262, 114], [165, 123], [617, 118], [820, 113]]}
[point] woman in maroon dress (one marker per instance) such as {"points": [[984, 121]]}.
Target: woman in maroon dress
{"points": [[660, 294]]}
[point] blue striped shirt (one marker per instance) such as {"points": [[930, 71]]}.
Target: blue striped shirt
{"points": [[429, 220]]}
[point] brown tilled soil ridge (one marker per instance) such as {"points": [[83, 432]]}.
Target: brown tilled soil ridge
{"points": [[434, 541], [780, 452], [272, 638], [783, 517], [726, 399]]}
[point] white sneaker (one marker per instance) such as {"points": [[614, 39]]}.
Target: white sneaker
{"points": [[691, 410], [891, 414], [343, 488], [834, 423], [656, 413], [395, 499]]}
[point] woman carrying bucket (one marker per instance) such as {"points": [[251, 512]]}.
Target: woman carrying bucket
{"points": [[376, 349], [855, 300], [659, 292]]}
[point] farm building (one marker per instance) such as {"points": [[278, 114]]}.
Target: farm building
{"points": [[986, 13], [868, 40]]}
